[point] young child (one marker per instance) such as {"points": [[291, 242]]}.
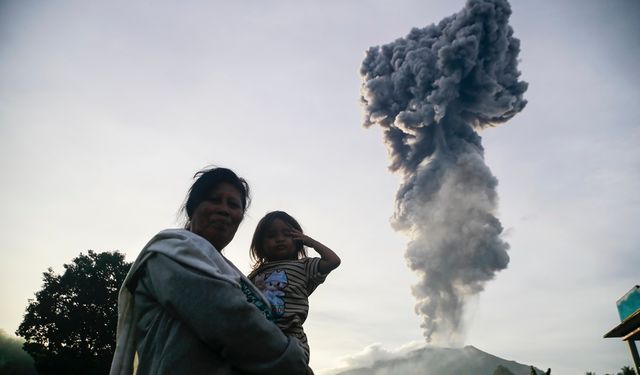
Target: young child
{"points": [[284, 273]]}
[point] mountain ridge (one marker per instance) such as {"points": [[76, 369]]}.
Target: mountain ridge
{"points": [[468, 360]]}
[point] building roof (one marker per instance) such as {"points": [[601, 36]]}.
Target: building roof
{"points": [[629, 329]]}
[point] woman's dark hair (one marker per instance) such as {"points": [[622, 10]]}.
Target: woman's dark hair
{"points": [[257, 242], [209, 179]]}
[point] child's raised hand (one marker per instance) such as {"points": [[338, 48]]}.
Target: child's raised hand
{"points": [[328, 259], [299, 236]]}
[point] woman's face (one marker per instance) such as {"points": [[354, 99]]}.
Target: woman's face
{"points": [[217, 217]]}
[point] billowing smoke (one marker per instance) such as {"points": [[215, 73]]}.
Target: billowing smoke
{"points": [[431, 92]]}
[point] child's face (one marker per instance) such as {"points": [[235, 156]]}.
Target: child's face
{"points": [[278, 244]]}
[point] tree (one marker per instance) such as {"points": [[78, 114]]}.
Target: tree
{"points": [[534, 372], [501, 370], [70, 326], [626, 370]]}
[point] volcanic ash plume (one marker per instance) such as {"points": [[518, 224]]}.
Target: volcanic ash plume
{"points": [[430, 92]]}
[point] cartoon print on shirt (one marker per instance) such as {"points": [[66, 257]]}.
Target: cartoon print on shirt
{"points": [[256, 300], [272, 286]]}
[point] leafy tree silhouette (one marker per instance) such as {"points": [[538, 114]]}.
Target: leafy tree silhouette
{"points": [[626, 370], [70, 326], [534, 372]]}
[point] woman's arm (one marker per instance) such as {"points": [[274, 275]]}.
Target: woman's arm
{"points": [[219, 314]]}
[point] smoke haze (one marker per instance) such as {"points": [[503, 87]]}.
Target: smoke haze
{"points": [[426, 360], [431, 92], [13, 359]]}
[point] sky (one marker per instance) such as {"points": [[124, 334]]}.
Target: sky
{"points": [[107, 109]]}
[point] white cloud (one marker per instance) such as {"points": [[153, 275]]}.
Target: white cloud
{"points": [[370, 355]]}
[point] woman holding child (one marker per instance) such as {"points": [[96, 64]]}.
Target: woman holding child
{"points": [[185, 309]]}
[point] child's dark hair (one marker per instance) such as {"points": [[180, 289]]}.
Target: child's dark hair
{"points": [[257, 243]]}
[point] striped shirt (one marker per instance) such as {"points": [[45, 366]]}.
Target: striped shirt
{"points": [[287, 285]]}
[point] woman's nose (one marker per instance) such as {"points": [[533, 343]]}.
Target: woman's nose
{"points": [[222, 209]]}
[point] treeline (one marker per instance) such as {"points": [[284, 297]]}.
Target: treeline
{"points": [[626, 370], [70, 326], [501, 370]]}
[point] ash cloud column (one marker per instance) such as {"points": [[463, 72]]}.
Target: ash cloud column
{"points": [[431, 91]]}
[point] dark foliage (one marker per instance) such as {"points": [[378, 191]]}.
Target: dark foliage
{"points": [[626, 370], [70, 326], [534, 372]]}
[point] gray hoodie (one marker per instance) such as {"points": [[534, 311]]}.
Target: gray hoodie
{"points": [[183, 309]]}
